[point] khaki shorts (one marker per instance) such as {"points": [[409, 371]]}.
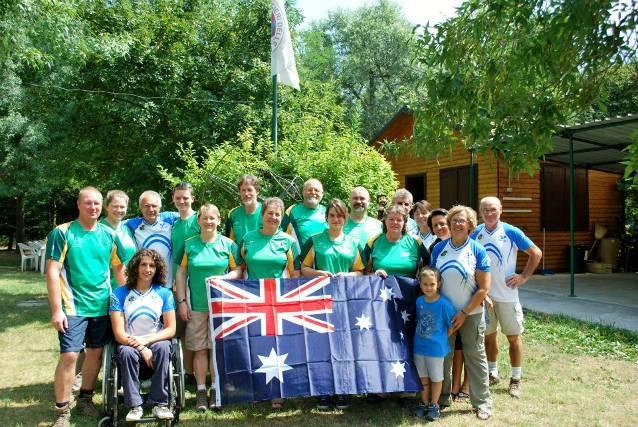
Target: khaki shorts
{"points": [[509, 315], [197, 332]]}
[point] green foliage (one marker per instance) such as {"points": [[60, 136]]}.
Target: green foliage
{"points": [[340, 159], [368, 52], [503, 74]]}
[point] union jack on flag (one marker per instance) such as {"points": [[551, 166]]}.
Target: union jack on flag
{"points": [[238, 307]]}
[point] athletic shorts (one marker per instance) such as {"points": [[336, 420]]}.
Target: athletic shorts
{"points": [[197, 332], [94, 332], [509, 315], [429, 367]]}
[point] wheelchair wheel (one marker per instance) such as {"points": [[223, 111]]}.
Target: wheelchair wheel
{"points": [[176, 382], [110, 383]]}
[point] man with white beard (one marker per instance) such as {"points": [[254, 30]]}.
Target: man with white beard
{"points": [[360, 226], [304, 220]]}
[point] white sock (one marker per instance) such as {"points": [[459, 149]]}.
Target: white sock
{"points": [[201, 387], [493, 368], [516, 373]]}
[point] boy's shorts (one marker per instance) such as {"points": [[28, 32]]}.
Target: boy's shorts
{"points": [[95, 332], [429, 367], [197, 332], [507, 314]]}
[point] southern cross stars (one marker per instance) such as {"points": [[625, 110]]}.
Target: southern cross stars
{"points": [[405, 316], [398, 369], [386, 294], [363, 322], [273, 366]]}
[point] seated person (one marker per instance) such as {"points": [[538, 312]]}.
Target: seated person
{"points": [[143, 321]]}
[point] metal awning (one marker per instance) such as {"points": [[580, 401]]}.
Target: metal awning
{"points": [[594, 145], [597, 145]]}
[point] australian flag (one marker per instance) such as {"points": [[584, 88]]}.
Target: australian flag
{"points": [[280, 338]]}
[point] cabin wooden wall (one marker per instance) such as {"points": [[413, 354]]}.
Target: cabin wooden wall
{"points": [[487, 171], [605, 207], [520, 194]]}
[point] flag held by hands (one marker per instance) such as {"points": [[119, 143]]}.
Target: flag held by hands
{"points": [[282, 59], [279, 338]]}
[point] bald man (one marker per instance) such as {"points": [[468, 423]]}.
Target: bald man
{"points": [[360, 226], [502, 242], [308, 218], [78, 283]]}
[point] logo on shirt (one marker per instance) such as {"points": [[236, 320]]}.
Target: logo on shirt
{"points": [[480, 236], [444, 253]]}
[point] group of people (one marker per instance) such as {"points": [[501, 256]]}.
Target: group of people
{"points": [[112, 277]]}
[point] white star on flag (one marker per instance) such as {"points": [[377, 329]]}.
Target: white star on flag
{"points": [[363, 322], [386, 294], [402, 336], [273, 366], [398, 369], [405, 316]]}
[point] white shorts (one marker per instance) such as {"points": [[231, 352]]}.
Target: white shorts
{"points": [[509, 315], [429, 367]]}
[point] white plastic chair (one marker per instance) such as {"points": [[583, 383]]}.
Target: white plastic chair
{"points": [[27, 256], [39, 247]]}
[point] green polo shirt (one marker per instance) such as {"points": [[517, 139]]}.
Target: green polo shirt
{"points": [[239, 223], [301, 222], [267, 256], [128, 243], [203, 260], [336, 256], [400, 258], [85, 256]]}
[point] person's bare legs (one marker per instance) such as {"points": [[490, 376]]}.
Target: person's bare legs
{"points": [[457, 368], [200, 366], [516, 350], [64, 376], [91, 367]]}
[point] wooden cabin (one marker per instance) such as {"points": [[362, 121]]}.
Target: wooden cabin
{"points": [[537, 204]]}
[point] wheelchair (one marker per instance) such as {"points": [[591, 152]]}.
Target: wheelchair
{"points": [[111, 383]]}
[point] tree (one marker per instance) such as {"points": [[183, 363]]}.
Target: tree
{"points": [[368, 52], [316, 143], [503, 74]]}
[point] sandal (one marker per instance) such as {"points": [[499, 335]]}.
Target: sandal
{"points": [[462, 396]]}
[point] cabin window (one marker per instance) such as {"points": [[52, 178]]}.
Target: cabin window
{"points": [[417, 184], [455, 187], [555, 198]]}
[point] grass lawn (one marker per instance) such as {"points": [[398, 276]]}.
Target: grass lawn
{"points": [[575, 373]]}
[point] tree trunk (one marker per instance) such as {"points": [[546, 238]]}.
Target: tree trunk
{"points": [[20, 218]]}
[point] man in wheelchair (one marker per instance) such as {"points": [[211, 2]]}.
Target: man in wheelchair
{"points": [[143, 321]]}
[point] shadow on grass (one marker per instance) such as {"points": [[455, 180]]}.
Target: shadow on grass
{"points": [[14, 316], [32, 405]]}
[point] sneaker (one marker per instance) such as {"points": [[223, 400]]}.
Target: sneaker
{"points": [[324, 403], [342, 402], [62, 416], [135, 414], [482, 414], [494, 379], [433, 412], [77, 383], [420, 410], [161, 412], [201, 400], [515, 388], [85, 406]]}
